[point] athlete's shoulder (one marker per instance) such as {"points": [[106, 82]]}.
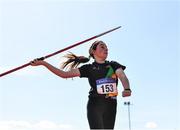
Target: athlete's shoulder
{"points": [[86, 66], [113, 62], [117, 65]]}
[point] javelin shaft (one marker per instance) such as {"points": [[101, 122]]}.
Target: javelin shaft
{"points": [[57, 52], [76, 44]]}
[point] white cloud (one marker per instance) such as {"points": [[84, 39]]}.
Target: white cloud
{"points": [[151, 125], [44, 124], [14, 124], [64, 126]]}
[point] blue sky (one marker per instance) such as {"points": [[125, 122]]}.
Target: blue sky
{"points": [[148, 44]]}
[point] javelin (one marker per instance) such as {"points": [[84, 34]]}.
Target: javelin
{"points": [[57, 52]]}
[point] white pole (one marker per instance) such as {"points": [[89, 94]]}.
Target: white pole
{"points": [[129, 117]]}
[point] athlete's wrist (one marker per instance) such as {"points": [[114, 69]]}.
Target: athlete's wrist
{"points": [[127, 89]]}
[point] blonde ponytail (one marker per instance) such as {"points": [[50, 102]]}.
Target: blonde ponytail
{"points": [[73, 61]]}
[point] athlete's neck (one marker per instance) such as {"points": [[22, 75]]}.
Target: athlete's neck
{"points": [[99, 61]]}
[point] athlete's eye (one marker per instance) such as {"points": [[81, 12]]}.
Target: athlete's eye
{"points": [[103, 47]]}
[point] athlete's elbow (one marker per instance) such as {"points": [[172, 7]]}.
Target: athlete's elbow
{"points": [[63, 76], [66, 75]]}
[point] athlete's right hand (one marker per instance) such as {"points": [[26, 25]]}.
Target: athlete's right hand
{"points": [[126, 93], [37, 61]]}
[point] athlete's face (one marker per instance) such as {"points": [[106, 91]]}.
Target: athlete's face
{"points": [[101, 51]]}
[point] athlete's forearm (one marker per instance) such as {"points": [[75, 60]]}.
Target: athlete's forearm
{"points": [[55, 70], [61, 73]]}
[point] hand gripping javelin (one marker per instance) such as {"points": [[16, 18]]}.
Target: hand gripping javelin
{"points": [[57, 52]]}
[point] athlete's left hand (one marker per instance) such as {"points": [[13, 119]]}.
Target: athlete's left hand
{"points": [[126, 93]]}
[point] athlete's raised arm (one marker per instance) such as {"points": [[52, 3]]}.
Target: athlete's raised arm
{"points": [[63, 74]]}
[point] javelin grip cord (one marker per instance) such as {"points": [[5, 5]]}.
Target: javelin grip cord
{"points": [[57, 52]]}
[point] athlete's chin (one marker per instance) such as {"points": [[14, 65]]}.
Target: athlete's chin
{"points": [[105, 57]]}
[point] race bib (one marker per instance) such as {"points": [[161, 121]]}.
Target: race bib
{"points": [[106, 86]]}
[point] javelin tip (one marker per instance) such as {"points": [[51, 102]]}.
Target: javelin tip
{"points": [[117, 27], [108, 31]]}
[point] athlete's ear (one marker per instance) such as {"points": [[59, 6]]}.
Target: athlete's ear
{"points": [[93, 51]]}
